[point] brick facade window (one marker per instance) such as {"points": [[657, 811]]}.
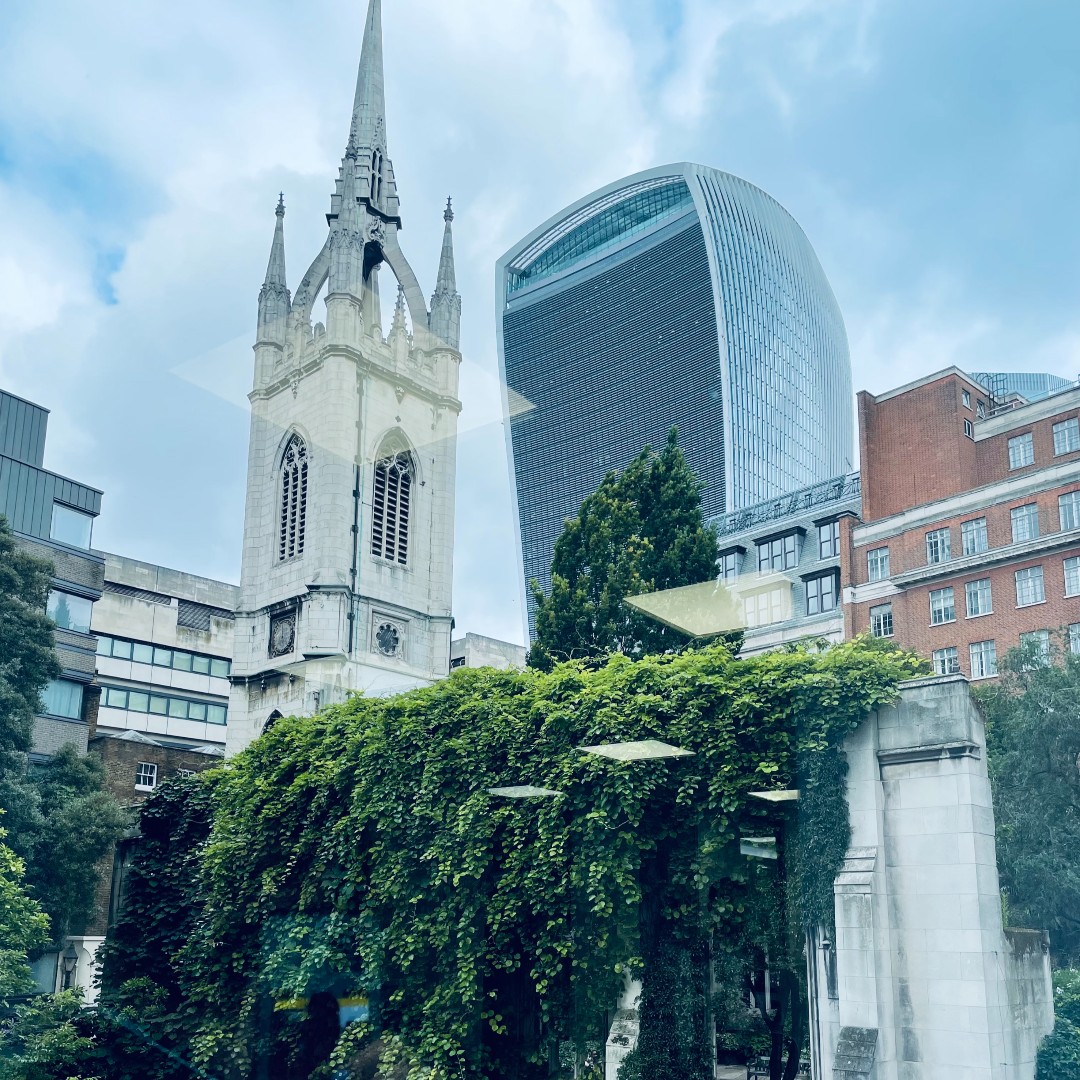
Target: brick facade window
{"points": [[145, 776], [1025, 522], [1021, 451], [1074, 638], [1029, 586], [946, 661], [938, 546], [1038, 643], [881, 621], [974, 537], [877, 564], [1067, 436], [1072, 576], [942, 606], [978, 596], [969, 429], [1069, 510], [983, 657]]}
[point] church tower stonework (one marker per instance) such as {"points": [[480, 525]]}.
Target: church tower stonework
{"points": [[349, 521]]}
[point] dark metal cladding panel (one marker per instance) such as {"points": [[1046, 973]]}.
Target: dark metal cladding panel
{"points": [[22, 430], [609, 365]]}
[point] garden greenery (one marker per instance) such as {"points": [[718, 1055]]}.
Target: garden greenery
{"points": [[359, 852]]}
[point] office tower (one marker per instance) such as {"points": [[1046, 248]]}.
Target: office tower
{"points": [[682, 296]]}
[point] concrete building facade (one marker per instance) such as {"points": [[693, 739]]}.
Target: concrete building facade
{"points": [[164, 652], [969, 543], [347, 561], [52, 518]]}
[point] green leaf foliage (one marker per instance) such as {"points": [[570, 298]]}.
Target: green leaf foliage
{"points": [[641, 531], [27, 657], [1059, 1054], [23, 925], [1033, 737], [359, 852]]}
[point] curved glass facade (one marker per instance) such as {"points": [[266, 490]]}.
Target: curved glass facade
{"points": [[682, 296]]}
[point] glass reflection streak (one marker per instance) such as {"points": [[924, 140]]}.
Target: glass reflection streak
{"points": [[679, 296]]}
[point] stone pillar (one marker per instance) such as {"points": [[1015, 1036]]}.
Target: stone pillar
{"points": [[930, 986]]}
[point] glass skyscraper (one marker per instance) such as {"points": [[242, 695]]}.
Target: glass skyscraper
{"points": [[682, 296]]}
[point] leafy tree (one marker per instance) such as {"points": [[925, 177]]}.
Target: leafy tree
{"points": [[23, 925], [359, 851], [1059, 1054], [58, 819], [1033, 737], [641, 531], [27, 657]]}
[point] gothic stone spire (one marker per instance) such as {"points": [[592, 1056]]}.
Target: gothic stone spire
{"points": [[274, 301], [445, 319]]}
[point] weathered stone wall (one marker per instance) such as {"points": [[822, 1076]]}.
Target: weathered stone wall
{"points": [[926, 976]]}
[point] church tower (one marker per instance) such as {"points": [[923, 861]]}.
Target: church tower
{"points": [[349, 522]]}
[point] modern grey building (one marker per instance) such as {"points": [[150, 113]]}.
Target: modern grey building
{"points": [[1032, 385], [679, 296], [53, 517]]}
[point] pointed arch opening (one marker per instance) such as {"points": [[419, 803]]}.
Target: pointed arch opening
{"points": [[392, 503], [292, 523]]}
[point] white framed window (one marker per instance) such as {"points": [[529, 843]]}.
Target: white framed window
{"points": [[969, 429], [974, 537], [1072, 576], [392, 508], [829, 540], [1067, 436], [1025, 522], [1074, 638], [1021, 451], [980, 410], [983, 658], [294, 490], [728, 564], [821, 594], [938, 546], [779, 554], [1038, 643], [979, 600], [877, 564], [942, 606], [1069, 510], [1029, 586], [145, 776], [881, 620], [967, 399], [70, 612], [766, 607], [946, 661]]}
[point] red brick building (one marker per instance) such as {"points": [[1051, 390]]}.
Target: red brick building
{"points": [[970, 532]]}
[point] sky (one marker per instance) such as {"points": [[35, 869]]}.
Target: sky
{"points": [[930, 151]]}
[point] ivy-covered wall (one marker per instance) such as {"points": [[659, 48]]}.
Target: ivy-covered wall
{"points": [[358, 852]]}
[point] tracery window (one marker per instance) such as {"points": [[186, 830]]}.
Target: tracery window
{"points": [[294, 476], [391, 506]]}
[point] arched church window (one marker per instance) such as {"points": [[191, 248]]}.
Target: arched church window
{"points": [[376, 176], [294, 476], [391, 506]]}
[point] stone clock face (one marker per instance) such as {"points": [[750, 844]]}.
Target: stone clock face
{"points": [[282, 635]]}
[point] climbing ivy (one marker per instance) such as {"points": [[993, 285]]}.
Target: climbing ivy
{"points": [[359, 852]]}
